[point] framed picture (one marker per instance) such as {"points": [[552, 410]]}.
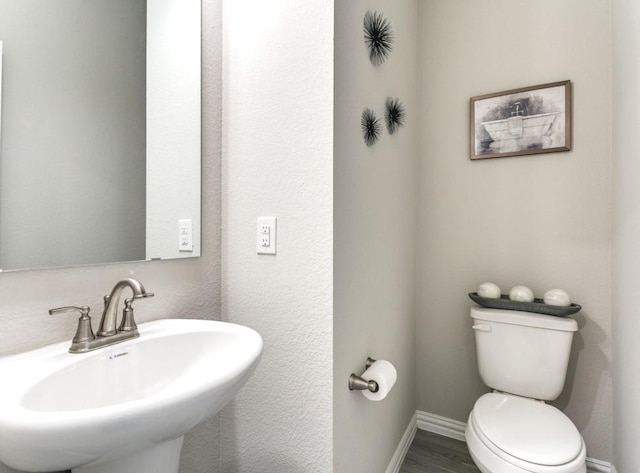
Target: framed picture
{"points": [[0, 96], [523, 121]]}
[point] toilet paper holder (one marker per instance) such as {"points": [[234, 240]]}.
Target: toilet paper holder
{"points": [[357, 383]]}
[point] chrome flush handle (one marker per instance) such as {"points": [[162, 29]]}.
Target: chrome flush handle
{"points": [[482, 328]]}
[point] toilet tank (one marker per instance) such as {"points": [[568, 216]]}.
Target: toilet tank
{"points": [[523, 353]]}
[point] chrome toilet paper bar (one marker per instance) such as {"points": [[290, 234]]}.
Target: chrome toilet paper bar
{"points": [[357, 383]]}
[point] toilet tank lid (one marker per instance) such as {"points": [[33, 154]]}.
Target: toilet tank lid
{"points": [[527, 319]]}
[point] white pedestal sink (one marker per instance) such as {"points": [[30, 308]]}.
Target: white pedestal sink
{"points": [[124, 408]]}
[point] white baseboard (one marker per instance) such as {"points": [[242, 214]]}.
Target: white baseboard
{"points": [[455, 429], [441, 425], [598, 466], [403, 446]]}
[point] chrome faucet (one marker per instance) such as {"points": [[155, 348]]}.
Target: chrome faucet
{"points": [[84, 339]]}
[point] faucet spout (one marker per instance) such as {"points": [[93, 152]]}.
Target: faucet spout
{"points": [[112, 301]]}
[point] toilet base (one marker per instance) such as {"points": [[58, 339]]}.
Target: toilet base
{"points": [[488, 462], [161, 458]]}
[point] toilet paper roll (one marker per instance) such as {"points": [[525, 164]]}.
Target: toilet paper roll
{"points": [[383, 373]]}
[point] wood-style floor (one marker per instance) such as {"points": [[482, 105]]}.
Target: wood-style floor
{"points": [[433, 453]]}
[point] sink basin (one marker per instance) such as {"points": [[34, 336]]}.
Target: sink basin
{"points": [[124, 408]]}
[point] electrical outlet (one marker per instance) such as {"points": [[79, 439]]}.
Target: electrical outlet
{"points": [[266, 236], [185, 235]]}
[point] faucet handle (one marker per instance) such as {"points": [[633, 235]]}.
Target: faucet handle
{"points": [[128, 323], [84, 332], [83, 309]]}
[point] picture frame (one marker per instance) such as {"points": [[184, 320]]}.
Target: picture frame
{"points": [[517, 122], [0, 96]]}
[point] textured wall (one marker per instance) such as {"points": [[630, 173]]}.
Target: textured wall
{"points": [[73, 159], [626, 273], [278, 160], [543, 221], [375, 214], [183, 288]]}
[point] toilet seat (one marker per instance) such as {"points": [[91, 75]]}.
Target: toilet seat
{"points": [[512, 434]]}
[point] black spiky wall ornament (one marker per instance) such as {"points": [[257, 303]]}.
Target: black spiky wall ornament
{"points": [[395, 115], [371, 128], [378, 36]]}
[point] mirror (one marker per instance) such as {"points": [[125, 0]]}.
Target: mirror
{"points": [[99, 131]]}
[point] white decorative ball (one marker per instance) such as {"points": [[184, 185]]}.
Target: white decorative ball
{"points": [[521, 294], [489, 290], [557, 297]]}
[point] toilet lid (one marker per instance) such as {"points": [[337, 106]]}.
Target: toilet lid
{"points": [[527, 429]]}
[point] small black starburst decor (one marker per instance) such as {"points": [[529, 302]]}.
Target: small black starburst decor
{"points": [[371, 128], [378, 36], [395, 115]]}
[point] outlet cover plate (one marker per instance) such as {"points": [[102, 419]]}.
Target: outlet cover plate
{"points": [[266, 236]]}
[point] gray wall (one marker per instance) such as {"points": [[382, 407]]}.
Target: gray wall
{"points": [[184, 288], [375, 214], [73, 141], [278, 161], [626, 273], [543, 221]]}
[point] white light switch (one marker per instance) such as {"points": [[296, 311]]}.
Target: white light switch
{"points": [[266, 236], [185, 235]]}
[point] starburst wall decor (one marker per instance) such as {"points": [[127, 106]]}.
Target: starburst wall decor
{"points": [[371, 128], [395, 115], [378, 36]]}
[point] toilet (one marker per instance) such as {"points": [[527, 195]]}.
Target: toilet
{"points": [[523, 357]]}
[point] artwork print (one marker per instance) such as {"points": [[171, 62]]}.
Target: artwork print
{"points": [[523, 121]]}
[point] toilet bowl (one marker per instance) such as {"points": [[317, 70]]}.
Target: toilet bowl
{"points": [[523, 357], [511, 434]]}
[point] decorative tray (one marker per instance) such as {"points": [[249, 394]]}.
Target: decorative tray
{"points": [[538, 306]]}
